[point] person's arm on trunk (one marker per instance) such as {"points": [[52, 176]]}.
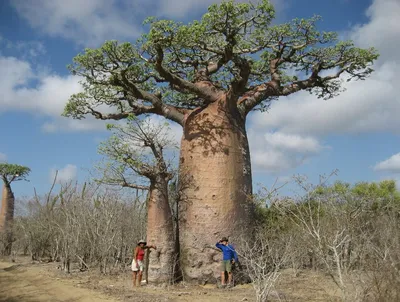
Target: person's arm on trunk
{"points": [[219, 245]]}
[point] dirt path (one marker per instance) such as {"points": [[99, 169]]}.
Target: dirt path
{"points": [[27, 282], [21, 283]]}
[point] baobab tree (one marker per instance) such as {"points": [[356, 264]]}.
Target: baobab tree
{"points": [[207, 76], [135, 154], [9, 173]]}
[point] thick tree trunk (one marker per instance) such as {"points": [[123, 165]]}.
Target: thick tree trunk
{"points": [[7, 216], [160, 232], [215, 176]]}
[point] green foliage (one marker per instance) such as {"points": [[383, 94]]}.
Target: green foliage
{"points": [[13, 172], [375, 195], [272, 217], [372, 199], [233, 46]]}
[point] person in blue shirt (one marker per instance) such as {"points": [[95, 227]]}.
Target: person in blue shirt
{"points": [[229, 257]]}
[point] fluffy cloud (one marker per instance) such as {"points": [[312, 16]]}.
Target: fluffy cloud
{"points": [[355, 110], [382, 30], [68, 173], [47, 97], [181, 8], [276, 152], [366, 106], [88, 22], [24, 49], [292, 143], [91, 22], [392, 164], [3, 157]]}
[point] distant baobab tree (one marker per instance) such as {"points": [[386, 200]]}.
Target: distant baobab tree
{"points": [[9, 173]]}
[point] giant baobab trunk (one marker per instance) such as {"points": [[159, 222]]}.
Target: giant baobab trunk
{"points": [[160, 232], [7, 215], [215, 174]]}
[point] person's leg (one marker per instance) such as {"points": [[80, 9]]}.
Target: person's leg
{"points": [[223, 269], [134, 274], [230, 278], [223, 278], [141, 268], [140, 278], [229, 271]]}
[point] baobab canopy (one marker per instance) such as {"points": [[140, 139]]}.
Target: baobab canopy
{"points": [[13, 172], [207, 76], [9, 173], [233, 48]]}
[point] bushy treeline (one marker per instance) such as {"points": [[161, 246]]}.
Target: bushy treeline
{"points": [[91, 225], [350, 232]]}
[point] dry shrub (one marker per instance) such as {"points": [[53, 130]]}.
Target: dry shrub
{"points": [[350, 233], [92, 225]]}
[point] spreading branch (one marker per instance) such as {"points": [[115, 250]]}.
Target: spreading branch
{"points": [[234, 49]]}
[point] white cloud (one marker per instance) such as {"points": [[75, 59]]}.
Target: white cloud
{"points": [[91, 22], [292, 143], [383, 29], [3, 157], [88, 22], [392, 164], [24, 49], [277, 152], [181, 8], [27, 49], [47, 97], [63, 124], [68, 173], [366, 106], [355, 110]]}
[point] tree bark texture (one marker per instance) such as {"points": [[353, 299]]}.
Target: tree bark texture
{"points": [[7, 215], [160, 232], [216, 183]]}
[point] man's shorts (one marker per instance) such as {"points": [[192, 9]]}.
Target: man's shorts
{"points": [[137, 265], [226, 266]]}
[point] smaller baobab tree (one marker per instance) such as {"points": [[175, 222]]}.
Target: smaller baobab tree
{"points": [[9, 173], [136, 160]]}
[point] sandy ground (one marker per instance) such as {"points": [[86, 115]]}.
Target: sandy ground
{"points": [[23, 283], [28, 282]]}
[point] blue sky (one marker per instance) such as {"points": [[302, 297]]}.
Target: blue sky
{"points": [[356, 133]]}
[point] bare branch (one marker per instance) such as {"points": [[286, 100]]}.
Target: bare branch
{"points": [[174, 80]]}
